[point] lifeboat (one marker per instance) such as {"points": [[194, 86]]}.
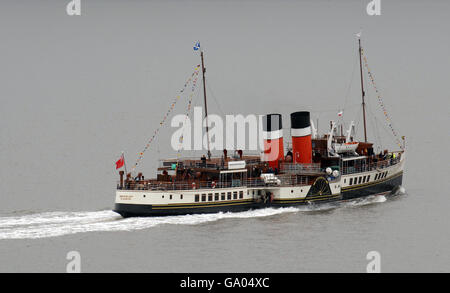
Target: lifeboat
{"points": [[346, 147]]}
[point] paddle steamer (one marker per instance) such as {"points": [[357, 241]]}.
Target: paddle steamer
{"points": [[314, 169]]}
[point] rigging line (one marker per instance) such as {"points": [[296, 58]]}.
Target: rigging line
{"points": [[193, 104], [196, 99], [377, 132], [357, 120], [351, 81], [188, 110], [214, 98], [383, 127], [373, 122], [380, 143]]}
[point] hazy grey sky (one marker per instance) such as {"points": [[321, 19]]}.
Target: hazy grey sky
{"points": [[77, 90]]}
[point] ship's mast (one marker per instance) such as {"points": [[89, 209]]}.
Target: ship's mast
{"points": [[362, 87], [204, 99]]}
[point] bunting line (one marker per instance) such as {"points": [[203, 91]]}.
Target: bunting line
{"points": [[188, 110], [192, 79], [380, 101]]}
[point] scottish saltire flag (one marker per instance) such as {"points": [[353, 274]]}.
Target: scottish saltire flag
{"points": [[197, 46]]}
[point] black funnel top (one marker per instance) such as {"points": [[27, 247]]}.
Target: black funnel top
{"points": [[300, 120]]}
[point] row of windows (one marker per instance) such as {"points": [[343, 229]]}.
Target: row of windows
{"points": [[359, 180], [229, 196], [210, 196], [364, 179], [381, 175]]}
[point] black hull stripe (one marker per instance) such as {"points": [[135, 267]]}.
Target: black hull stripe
{"points": [[372, 183], [381, 188], [127, 210], [130, 210]]}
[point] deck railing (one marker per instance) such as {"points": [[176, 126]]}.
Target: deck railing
{"points": [[284, 180], [294, 168], [371, 166]]}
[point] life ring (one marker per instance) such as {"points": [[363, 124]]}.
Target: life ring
{"points": [[213, 184], [193, 185]]}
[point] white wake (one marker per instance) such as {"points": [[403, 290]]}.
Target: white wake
{"points": [[53, 224]]}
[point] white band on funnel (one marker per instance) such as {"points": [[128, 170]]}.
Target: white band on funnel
{"points": [[298, 132], [274, 134]]}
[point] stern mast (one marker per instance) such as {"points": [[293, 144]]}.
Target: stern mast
{"points": [[362, 86], [206, 107]]}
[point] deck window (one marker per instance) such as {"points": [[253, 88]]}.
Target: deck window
{"points": [[368, 178], [364, 179], [203, 197], [241, 194], [216, 196], [350, 182], [234, 194], [229, 195], [210, 197], [197, 198], [360, 179], [222, 196], [181, 196]]}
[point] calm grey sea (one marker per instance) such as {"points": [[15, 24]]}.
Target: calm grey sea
{"points": [[75, 91]]}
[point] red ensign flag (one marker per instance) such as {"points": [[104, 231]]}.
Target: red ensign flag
{"points": [[120, 163]]}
